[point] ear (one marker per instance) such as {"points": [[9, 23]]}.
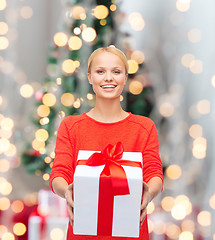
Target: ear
{"points": [[89, 78]]}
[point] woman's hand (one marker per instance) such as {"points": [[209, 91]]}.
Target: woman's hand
{"points": [[146, 198], [70, 202]]}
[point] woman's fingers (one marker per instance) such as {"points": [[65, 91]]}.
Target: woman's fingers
{"points": [[144, 202], [70, 202]]}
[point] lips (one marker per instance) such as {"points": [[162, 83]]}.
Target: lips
{"points": [[108, 86]]}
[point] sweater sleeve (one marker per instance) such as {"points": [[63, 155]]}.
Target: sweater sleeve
{"points": [[63, 162], [152, 165]]}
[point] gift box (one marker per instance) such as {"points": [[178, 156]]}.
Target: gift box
{"points": [[40, 228], [107, 192], [49, 218]]}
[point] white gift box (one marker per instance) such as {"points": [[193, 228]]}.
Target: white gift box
{"points": [[126, 210], [56, 226]]}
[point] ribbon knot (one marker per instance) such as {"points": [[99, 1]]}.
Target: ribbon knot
{"points": [[110, 157]]}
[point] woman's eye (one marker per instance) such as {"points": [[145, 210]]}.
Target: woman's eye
{"points": [[117, 72], [100, 71]]}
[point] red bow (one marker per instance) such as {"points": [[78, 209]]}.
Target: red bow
{"points": [[110, 157]]}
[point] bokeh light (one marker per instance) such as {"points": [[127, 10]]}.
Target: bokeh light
{"points": [[113, 7], [173, 171], [199, 148], [187, 59], [60, 39], [204, 218], [77, 30], [167, 203], [172, 231], [19, 229], [67, 99], [41, 135], [194, 35], [38, 145], [68, 67], [57, 234], [3, 4], [78, 12], [100, 11], [89, 34], [46, 177], [7, 124], [4, 43], [213, 81], [204, 106], [3, 229], [49, 99], [3, 28], [188, 225], [4, 165], [74, 43], [26, 90], [183, 5], [196, 131], [186, 236], [43, 111], [150, 208], [132, 66], [166, 109], [212, 202], [138, 56], [136, 21], [196, 66], [135, 87], [8, 236], [26, 12], [17, 206], [6, 188], [4, 203]]}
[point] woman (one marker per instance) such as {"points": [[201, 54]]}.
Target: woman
{"points": [[107, 123]]}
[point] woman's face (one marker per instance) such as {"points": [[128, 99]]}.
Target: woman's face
{"points": [[107, 75]]}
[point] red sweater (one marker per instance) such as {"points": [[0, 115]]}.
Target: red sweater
{"points": [[81, 132]]}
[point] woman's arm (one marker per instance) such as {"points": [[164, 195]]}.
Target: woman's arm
{"points": [[64, 190]]}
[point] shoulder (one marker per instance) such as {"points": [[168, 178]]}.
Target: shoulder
{"points": [[71, 120], [145, 122]]}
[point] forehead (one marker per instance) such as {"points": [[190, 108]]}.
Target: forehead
{"points": [[104, 59]]}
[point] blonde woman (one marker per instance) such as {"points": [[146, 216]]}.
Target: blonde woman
{"points": [[107, 123]]}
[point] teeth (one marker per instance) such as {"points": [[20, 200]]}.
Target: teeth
{"points": [[108, 86]]}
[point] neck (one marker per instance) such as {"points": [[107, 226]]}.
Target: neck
{"points": [[108, 110]]}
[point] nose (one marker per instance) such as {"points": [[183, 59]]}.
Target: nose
{"points": [[108, 76]]}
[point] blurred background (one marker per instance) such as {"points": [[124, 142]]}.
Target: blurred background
{"points": [[44, 47]]}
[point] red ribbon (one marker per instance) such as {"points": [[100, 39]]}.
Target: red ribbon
{"points": [[112, 182]]}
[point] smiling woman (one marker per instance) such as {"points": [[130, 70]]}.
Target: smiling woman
{"points": [[107, 124]]}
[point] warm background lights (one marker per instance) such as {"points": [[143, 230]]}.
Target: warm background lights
{"points": [[100, 12], [3, 28], [67, 99], [56, 234], [43, 111], [19, 229], [132, 66], [68, 66], [173, 172], [49, 99], [74, 43], [26, 90], [89, 34], [60, 39]]}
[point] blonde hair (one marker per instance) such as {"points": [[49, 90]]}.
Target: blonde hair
{"points": [[110, 49]]}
